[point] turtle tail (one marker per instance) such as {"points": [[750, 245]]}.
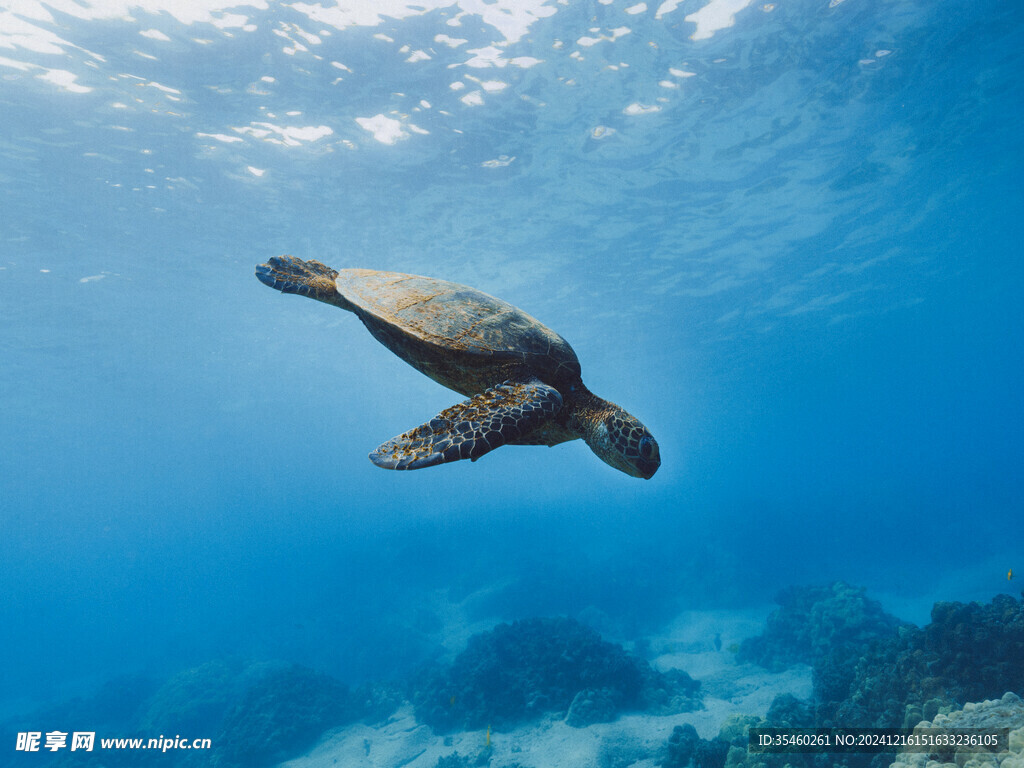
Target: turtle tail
{"points": [[306, 278]]}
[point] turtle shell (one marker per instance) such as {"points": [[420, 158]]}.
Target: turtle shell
{"points": [[454, 322]]}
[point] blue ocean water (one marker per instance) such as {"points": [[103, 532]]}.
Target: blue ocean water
{"points": [[784, 235]]}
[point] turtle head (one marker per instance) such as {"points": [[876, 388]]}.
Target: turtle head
{"points": [[619, 439]]}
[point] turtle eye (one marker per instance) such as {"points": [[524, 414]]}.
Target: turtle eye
{"points": [[646, 447]]}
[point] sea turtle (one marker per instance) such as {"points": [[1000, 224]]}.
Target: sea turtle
{"points": [[522, 379]]}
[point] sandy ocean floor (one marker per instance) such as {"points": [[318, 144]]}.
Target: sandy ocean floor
{"points": [[632, 740]]}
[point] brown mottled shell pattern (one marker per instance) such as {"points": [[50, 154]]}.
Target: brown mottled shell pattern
{"points": [[455, 321]]}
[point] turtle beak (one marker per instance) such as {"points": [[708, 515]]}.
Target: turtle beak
{"points": [[646, 468], [642, 468]]}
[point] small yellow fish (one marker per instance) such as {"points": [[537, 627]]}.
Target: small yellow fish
{"points": [[1009, 574], [488, 744], [451, 701]]}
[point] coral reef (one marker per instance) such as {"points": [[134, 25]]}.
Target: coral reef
{"points": [[668, 693], [871, 671], [868, 671], [193, 700], [685, 749], [256, 714], [735, 733], [969, 652], [1006, 712], [787, 711], [681, 746], [812, 621], [455, 760], [590, 706], [521, 670], [281, 714]]}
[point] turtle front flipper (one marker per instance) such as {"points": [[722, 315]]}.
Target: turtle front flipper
{"points": [[473, 427], [306, 278]]}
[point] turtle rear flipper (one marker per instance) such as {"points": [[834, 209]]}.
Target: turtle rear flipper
{"points": [[306, 278], [468, 430]]}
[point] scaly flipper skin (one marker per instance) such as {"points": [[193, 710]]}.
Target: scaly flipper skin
{"points": [[306, 278], [472, 428]]}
